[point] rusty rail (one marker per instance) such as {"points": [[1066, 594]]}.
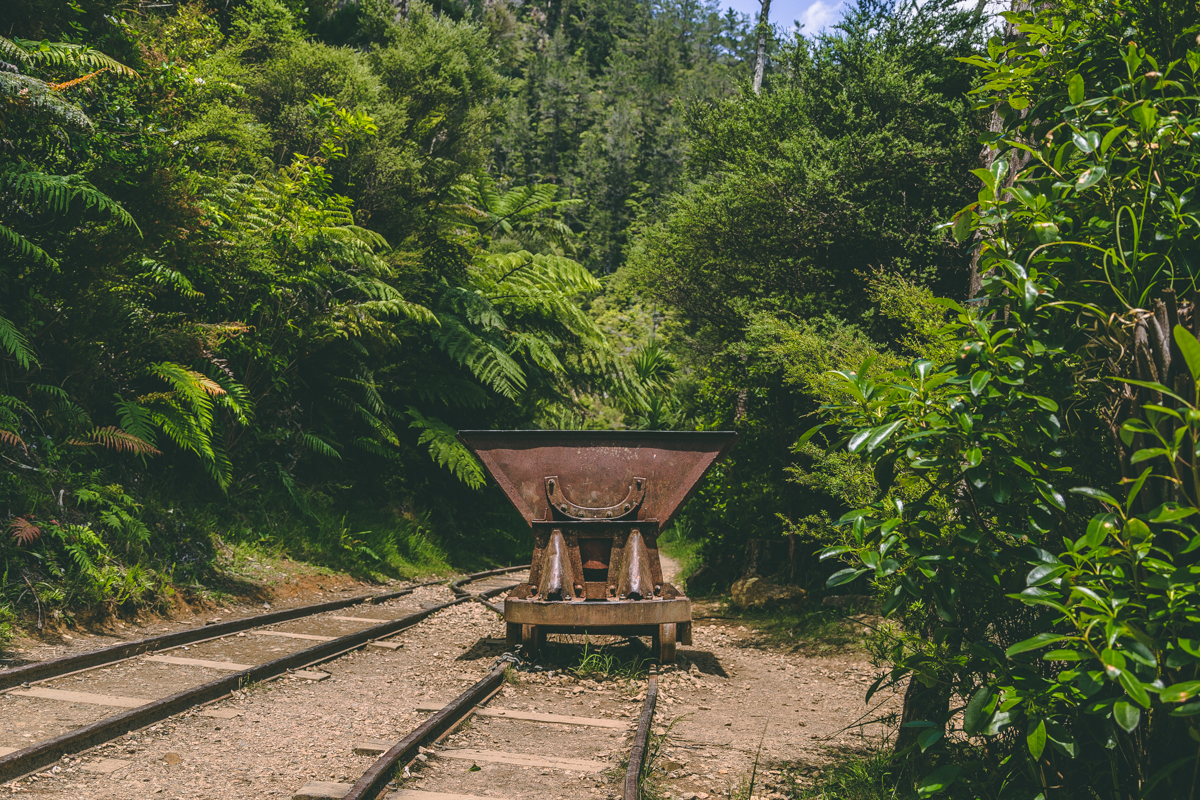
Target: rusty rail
{"points": [[375, 780], [42, 754], [637, 756], [56, 667]]}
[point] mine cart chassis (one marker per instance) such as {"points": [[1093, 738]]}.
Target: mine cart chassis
{"points": [[667, 621]]}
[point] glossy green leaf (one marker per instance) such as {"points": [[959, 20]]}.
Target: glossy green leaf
{"points": [[1170, 512], [830, 552], [881, 434], [1134, 688], [1179, 692], [939, 780], [1190, 349], [1126, 715], [979, 380], [977, 711], [844, 576], [857, 440], [808, 434], [1034, 643], [928, 738], [1095, 494], [1035, 739], [1075, 89], [961, 228], [1089, 178]]}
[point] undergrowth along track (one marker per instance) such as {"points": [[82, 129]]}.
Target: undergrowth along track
{"points": [[43, 753]]}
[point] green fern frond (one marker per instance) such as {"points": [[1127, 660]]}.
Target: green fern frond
{"points": [[446, 449], [451, 390], [16, 345], [195, 390], [235, 398], [162, 276], [539, 350], [181, 428], [490, 364], [220, 468], [289, 484], [387, 300], [10, 51], [25, 247], [55, 193], [61, 54], [137, 420], [375, 448], [318, 445]]}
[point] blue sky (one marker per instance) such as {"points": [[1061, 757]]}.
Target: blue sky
{"points": [[813, 14]]}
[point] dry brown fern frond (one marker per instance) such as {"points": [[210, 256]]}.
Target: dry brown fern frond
{"points": [[114, 438], [71, 84], [23, 531], [10, 438]]}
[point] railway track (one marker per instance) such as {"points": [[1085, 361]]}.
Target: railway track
{"points": [[307, 636], [90, 723], [411, 751]]}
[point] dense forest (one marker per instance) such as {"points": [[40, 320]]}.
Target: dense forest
{"points": [[261, 259]]}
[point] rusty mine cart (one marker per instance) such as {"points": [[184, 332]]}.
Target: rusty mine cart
{"points": [[597, 501]]}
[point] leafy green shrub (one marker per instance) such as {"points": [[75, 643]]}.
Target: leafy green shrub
{"points": [[975, 541]]}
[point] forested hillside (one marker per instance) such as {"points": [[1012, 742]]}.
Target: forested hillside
{"points": [[261, 259]]}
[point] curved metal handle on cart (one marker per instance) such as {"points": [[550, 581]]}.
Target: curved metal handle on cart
{"points": [[622, 510]]}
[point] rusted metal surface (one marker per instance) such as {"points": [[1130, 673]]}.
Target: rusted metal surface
{"points": [[595, 469], [596, 502], [375, 780], [637, 756], [595, 615]]}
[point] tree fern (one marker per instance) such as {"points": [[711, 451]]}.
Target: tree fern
{"points": [[24, 186], [60, 54], [487, 361], [55, 193], [446, 449]]}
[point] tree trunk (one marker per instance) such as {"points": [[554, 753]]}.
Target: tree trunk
{"points": [[760, 57], [1018, 159]]}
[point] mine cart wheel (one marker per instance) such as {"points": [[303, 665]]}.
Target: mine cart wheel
{"points": [[683, 633], [664, 642], [512, 635], [533, 638]]}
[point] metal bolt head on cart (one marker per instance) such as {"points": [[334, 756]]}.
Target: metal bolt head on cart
{"points": [[597, 502]]}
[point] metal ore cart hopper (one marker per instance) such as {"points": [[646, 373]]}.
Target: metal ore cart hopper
{"points": [[597, 501]]}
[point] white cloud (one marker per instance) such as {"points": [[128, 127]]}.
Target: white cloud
{"points": [[821, 14]]}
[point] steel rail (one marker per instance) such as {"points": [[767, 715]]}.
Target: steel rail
{"points": [[375, 779], [637, 756], [44, 753], [456, 587], [56, 667]]}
